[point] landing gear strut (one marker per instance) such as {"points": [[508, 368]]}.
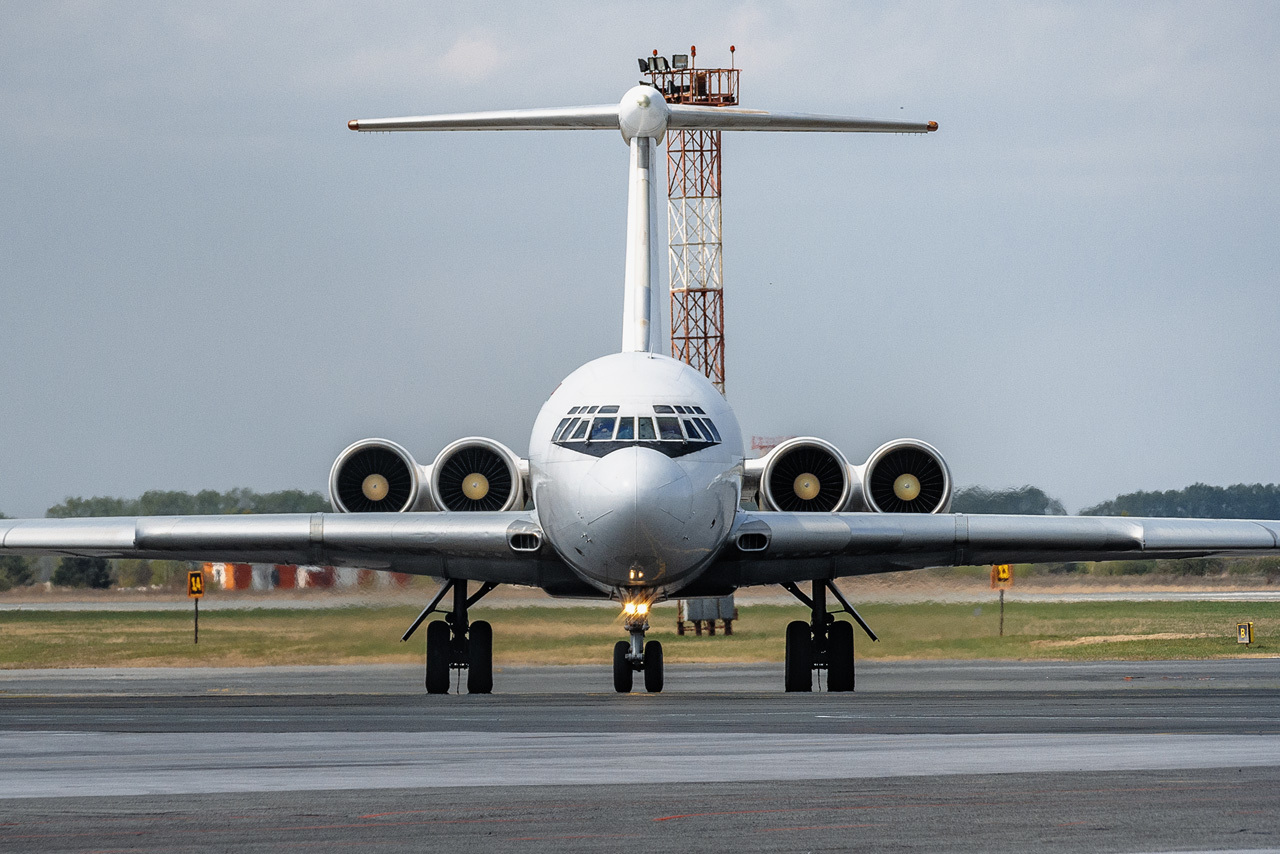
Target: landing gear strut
{"points": [[822, 643], [456, 644], [635, 654]]}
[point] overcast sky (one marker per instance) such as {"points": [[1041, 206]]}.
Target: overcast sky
{"points": [[209, 282]]}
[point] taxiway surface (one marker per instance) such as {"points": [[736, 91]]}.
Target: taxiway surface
{"points": [[1108, 756]]}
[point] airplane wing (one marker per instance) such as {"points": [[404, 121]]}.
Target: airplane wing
{"points": [[501, 547], [773, 548]]}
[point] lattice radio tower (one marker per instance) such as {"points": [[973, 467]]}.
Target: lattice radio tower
{"points": [[693, 210]]}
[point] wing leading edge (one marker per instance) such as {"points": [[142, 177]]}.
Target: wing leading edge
{"points": [[772, 548], [472, 546]]}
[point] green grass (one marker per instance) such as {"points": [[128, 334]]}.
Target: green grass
{"points": [[532, 635]]}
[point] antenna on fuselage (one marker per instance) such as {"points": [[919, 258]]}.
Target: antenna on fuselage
{"points": [[644, 117]]}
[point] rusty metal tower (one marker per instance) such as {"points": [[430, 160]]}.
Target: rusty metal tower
{"points": [[693, 210]]}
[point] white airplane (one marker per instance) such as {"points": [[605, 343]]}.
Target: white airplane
{"points": [[634, 485]]}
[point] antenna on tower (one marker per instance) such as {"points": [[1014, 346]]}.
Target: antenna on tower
{"points": [[693, 211]]}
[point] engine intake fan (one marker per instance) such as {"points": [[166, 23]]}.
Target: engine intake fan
{"points": [[374, 476], [907, 476], [477, 474], [806, 475]]}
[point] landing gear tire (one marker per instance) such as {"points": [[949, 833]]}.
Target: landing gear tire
{"points": [[621, 667], [840, 656], [798, 673], [439, 650], [653, 667], [480, 658]]}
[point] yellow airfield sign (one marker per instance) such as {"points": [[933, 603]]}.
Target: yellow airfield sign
{"points": [[195, 584], [1001, 576]]}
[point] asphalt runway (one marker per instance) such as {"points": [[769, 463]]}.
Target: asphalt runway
{"points": [[937, 756]]}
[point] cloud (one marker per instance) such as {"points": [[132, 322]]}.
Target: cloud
{"points": [[474, 56]]}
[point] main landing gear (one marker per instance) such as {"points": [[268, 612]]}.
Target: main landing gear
{"points": [[822, 643], [455, 644], [635, 654]]}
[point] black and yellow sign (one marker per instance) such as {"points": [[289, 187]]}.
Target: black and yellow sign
{"points": [[195, 584], [1244, 632], [1001, 576]]}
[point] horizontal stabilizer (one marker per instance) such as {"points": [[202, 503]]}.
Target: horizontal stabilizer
{"points": [[563, 118], [642, 112], [729, 118]]}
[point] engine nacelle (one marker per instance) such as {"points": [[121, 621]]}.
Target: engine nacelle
{"points": [[906, 476], [477, 474], [806, 474], [375, 476]]}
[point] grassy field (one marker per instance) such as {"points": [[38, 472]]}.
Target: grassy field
{"points": [[540, 635]]}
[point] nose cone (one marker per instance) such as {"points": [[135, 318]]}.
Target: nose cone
{"points": [[636, 505]]}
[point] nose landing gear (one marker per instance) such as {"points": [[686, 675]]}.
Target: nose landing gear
{"points": [[456, 644], [636, 654], [822, 643]]}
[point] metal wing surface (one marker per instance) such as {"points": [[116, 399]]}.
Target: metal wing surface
{"points": [[472, 546], [806, 546]]}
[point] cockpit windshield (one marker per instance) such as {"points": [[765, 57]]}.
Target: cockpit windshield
{"points": [[673, 429]]}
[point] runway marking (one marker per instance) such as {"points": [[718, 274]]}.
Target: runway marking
{"points": [[817, 808], [815, 827]]}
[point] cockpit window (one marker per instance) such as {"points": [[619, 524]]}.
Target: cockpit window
{"points": [[626, 429], [646, 430], [590, 409], [709, 427], [582, 429], [661, 408], [602, 428], [698, 409], [608, 410], [555, 434], [691, 430], [669, 429], [574, 411]]}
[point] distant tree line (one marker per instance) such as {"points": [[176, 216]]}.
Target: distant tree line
{"points": [[207, 502], [1021, 500], [101, 573], [1198, 501]]}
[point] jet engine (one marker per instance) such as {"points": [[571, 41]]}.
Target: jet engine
{"points": [[477, 474], [375, 476], [907, 476], [806, 474]]}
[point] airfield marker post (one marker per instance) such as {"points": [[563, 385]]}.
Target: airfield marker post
{"points": [[195, 589]]}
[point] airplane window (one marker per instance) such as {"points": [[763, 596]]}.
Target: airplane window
{"points": [[626, 429], [646, 429], [582, 429], [608, 410], [692, 430], [709, 428], [698, 410], [590, 410], [574, 411], [660, 408], [555, 434], [602, 428], [669, 429]]}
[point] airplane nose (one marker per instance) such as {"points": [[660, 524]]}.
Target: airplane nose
{"points": [[635, 503]]}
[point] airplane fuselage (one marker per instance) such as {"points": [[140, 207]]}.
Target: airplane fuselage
{"points": [[635, 462]]}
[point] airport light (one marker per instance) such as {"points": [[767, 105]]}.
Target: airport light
{"points": [[679, 61]]}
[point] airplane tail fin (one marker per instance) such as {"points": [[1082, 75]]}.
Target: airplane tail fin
{"points": [[643, 117]]}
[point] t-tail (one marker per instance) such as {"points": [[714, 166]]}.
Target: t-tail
{"points": [[643, 116]]}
